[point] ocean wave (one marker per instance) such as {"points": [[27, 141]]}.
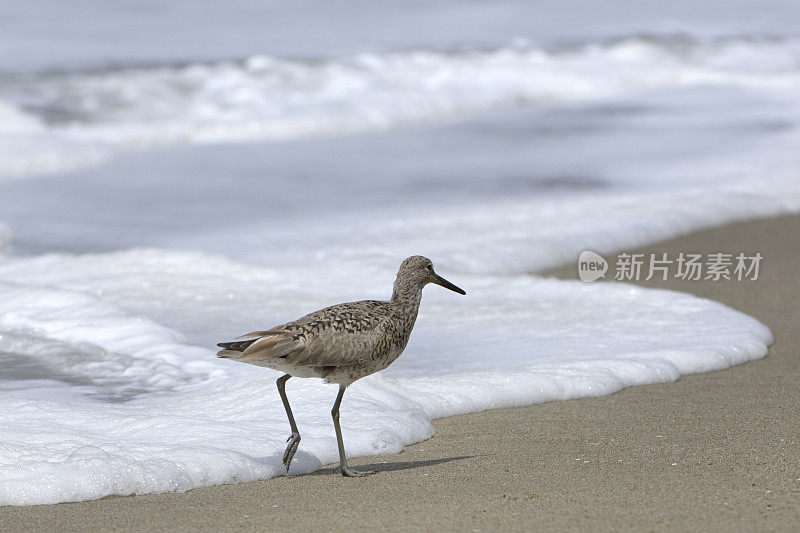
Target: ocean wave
{"points": [[65, 119]]}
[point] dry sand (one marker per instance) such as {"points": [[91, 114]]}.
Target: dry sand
{"points": [[714, 451]]}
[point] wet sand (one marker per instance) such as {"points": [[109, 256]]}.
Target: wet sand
{"points": [[714, 451]]}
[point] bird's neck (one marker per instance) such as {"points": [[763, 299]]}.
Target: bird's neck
{"points": [[406, 296]]}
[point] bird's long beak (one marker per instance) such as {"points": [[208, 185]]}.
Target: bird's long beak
{"points": [[439, 280]]}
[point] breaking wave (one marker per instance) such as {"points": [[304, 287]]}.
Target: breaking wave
{"points": [[62, 120]]}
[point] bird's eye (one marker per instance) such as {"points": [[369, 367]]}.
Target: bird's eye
{"points": [[429, 267]]}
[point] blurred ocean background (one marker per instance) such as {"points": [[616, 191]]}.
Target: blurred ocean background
{"points": [[176, 173]]}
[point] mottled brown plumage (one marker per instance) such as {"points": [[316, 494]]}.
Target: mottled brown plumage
{"points": [[341, 343]]}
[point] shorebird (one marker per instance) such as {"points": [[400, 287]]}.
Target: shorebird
{"points": [[340, 344]]}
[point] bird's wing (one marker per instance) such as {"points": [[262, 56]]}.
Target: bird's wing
{"points": [[341, 335]]}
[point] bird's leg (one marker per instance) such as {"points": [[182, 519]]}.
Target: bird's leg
{"points": [[294, 438], [342, 459]]}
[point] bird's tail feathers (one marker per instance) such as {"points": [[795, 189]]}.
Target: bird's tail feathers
{"points": [[229, 354], [259, 345], [234, 349]]}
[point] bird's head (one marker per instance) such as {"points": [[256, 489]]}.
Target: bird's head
{"points": [[416, 272]]}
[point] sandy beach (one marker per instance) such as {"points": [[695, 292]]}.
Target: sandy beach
{"points": [[715, 451]]}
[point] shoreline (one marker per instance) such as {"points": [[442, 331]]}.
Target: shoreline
{"points": [[713, 450]]}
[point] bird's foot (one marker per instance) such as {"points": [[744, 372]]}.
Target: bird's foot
{"points": [[349, 472], [291, 449]]}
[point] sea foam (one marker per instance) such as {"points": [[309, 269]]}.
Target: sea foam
{"points": [[130, 406]]}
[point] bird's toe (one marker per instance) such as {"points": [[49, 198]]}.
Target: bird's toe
{"points": [[349, 472]]}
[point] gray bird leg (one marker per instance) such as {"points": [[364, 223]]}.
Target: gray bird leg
{"points": [[294, 438], [342, 459]]}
